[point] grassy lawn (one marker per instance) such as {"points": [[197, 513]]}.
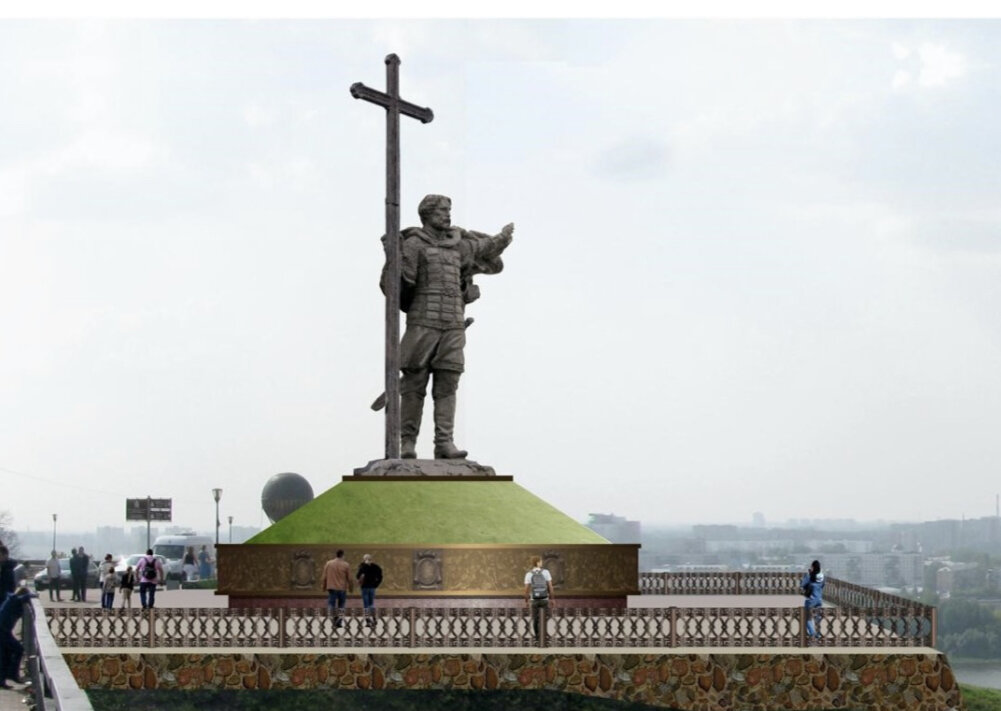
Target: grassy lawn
{"points": [[421, 512], [979, 699]]}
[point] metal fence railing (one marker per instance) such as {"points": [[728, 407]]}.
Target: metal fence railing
{"points": [[54, 687], [490, 627]]}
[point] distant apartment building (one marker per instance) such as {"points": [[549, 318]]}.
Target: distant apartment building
{"points": [[875, 569], [944, 536], [954, 576], [617, 529]]}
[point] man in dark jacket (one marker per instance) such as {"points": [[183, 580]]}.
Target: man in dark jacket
{"points": [[11, 649], [369, 577], [80, 576], [7, 565]]}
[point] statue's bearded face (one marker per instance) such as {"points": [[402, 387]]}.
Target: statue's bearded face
{"points": [[440, 216]]}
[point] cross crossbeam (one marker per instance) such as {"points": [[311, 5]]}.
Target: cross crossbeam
{"points": [[421, 113]]}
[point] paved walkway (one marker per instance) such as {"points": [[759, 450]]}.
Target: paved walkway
{"points": [[164, 598]]}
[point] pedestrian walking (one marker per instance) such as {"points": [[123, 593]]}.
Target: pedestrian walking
{"points": [[127, 585], [149, 572], [538, 592], [369, 577], [337, 581]]}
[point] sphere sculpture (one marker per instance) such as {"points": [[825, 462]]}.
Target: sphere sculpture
{"points": [[284, 493]]}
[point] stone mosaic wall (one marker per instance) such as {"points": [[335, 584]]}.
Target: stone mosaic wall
{"points": [[699, 682]]}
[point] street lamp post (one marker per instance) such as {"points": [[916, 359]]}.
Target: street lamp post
{"points": [[217, 494], [230, 529], [53, 533]]}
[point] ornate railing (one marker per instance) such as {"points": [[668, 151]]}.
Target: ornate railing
{"points": [[862, 617], [720, 583], [490, 627]]}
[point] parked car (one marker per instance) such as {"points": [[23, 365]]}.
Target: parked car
{"points": [[133, 560], [65, 579]]}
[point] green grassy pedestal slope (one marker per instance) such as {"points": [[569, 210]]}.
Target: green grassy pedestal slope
{"points": [[420, 511]]}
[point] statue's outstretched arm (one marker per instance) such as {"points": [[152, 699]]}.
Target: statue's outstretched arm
{"points": [[498, 243]]}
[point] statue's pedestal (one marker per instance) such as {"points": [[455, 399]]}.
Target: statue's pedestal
{"points": [[426, 468], [446, 534]]}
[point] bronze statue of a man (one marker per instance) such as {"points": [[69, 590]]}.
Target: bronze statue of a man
{"points": [[438, 262]]}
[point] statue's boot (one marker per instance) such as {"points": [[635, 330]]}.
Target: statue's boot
{"points": [[411, 410], [444, 424]]}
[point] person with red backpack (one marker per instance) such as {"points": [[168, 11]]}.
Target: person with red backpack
{"points": [[149, 572]]}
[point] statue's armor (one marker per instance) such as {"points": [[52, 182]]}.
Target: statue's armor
{"points": [[438, 300]]}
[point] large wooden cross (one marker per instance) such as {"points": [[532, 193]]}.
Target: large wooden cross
{"points": [[394, 105]]}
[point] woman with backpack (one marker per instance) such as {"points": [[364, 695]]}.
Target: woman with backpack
{"points": [[150, 572]]}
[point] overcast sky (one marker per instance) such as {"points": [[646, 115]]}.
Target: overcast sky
{"points": [[756, 267]]}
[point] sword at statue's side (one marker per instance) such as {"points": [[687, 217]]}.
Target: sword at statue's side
{"points": [[380, 402]]}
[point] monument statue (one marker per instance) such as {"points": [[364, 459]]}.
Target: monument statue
{"points": [[437, 266], [429, 275]]}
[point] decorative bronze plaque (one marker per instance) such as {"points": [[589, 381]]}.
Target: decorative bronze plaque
{"points": [[303, 570], [427, 570], [553, 562]]}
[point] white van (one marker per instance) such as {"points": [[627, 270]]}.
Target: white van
{"points": [[173, 547]]}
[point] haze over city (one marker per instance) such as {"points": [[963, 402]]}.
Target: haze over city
{"points": [[756, 265]]}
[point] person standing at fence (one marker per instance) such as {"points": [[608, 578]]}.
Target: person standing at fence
{"points": [[813, 590], [337, 581], [82, 568], [149, 571], [538, 592], [189, 564], [127, 585], [108, 580], [54, 572], [369, 577], [204, 564], [7, 565], [73, 596], [11, 649]]}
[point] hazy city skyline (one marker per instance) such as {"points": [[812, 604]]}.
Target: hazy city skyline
{"points": [[756, 264]]}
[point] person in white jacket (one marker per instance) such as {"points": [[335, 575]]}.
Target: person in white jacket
{"points": [[52, 568]]}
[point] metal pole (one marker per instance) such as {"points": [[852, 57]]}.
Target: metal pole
{"points": [[230, 529], [53, 533], [149, 512], [393, 257]]}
